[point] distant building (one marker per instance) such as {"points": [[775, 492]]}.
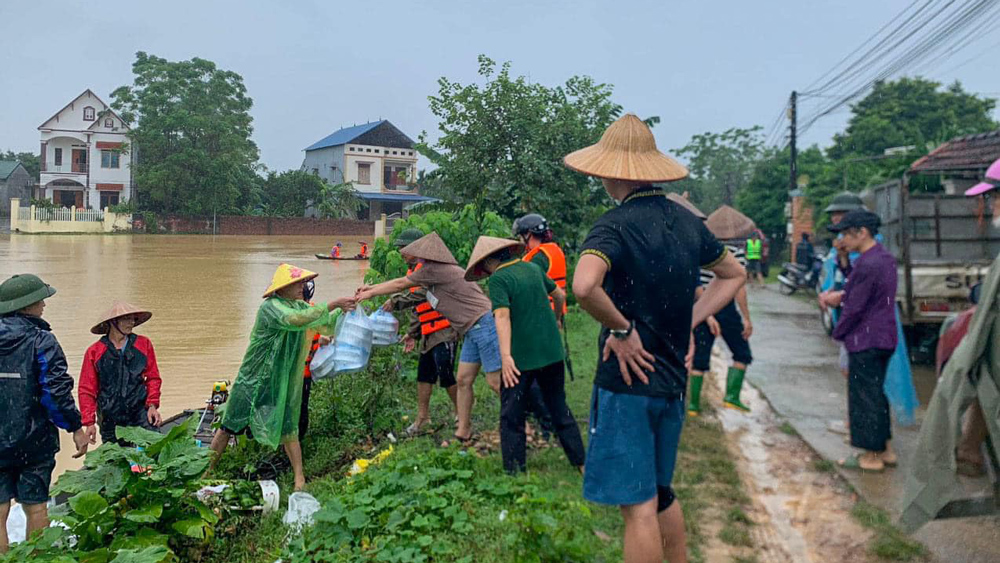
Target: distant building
{"points": [[83, 162], [15, 182], [377, 158]]}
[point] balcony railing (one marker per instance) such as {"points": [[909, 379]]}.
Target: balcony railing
{"points": [[400, 187], [65, 168]]}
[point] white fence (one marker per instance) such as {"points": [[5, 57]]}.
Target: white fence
{"points": [[24, 214], [89, 215]]}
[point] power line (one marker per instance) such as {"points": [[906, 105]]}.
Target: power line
{"points": [[945, 33]]}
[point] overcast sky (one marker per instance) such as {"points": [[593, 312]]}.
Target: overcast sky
{"points": [[313, 66]]}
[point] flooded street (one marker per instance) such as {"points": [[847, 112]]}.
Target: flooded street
{"points": [[203, 291]]}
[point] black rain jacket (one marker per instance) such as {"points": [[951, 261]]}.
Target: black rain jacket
{"points": [[36, 390]]}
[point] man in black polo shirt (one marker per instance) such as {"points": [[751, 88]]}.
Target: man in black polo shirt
{"points": [[637, 276]]}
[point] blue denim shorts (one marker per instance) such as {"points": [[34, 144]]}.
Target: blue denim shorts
{"points": [[481, 345], [632, 446]]}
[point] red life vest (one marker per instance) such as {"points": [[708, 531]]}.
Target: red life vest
{"points": [[557, 264], [430, 320]]}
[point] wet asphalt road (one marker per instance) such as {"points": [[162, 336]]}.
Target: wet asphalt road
{"points": [[795, 367]]}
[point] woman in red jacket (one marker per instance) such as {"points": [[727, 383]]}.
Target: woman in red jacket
{"points": [[119, 379]]}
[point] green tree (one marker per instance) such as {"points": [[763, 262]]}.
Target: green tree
{"points": [[721, 165], [191, 126], [502, 144], [339, 201], [911, 112], [289, 193], [31, 162]]}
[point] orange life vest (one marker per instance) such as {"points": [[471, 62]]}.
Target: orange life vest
{"points": [[364, 250], [309, 357], [557, 264], [335, 252], [430, 320]]}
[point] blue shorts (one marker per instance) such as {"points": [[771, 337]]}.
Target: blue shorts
{"points": [[481, 345], [632, 448]]}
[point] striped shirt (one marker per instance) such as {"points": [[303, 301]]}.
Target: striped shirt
{"points": [[739, 252]]}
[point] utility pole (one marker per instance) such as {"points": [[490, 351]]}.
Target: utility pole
{"points": [[794, 180]]}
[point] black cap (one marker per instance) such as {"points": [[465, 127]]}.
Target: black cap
{"points": [[857, 219]]}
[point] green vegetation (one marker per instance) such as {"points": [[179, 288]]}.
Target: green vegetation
{"points": [[787, 428], [131, 505], [374, 516], [824, 466], [501, 146], [888, 543]]}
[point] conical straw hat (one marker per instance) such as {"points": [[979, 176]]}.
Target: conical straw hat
{"points": [[626, 151], [728, 224], [120, 309], [430, 247], [686, 204], [286, 275], [486, 246]]}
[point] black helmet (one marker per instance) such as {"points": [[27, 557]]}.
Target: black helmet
{"points": [[844, 202], [531, 223]]}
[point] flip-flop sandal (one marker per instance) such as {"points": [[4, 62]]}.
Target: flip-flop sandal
{"points": [[854, 463], [466, 442], [892, 463]]}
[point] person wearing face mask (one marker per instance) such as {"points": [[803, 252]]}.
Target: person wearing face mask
{"points": [[266, 397], [119, 380]]}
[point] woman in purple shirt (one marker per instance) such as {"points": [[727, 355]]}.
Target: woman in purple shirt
{"points": [[867, 327]]}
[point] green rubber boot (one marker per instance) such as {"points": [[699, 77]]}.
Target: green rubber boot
{"points": [[734, 382], [694, 402]]}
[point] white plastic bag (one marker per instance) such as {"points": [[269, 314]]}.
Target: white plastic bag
{"points": [[17, 524], [323, 363], [385, 328], [301, 507], [353, 342]]}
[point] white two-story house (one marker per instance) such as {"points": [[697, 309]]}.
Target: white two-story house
{"points": [[85, 161], [376, 158]]}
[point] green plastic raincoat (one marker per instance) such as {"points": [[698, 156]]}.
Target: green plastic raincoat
{"points": [[267, 393]]}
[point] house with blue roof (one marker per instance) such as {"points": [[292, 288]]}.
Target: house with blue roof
{"points": [[376, 158]]}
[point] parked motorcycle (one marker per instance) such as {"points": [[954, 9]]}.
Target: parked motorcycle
{"points": [[794, 277]]}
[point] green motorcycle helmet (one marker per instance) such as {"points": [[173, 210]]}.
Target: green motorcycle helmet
{"points": [[23, 290], [844, 202], [407, 237]]}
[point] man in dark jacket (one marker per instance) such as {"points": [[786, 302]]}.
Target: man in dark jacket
{"points": [[36, 398]]}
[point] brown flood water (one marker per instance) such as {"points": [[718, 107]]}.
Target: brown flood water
{"points": [[203, 291]]}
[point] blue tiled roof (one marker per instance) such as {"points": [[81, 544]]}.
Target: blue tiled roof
{"points": [[344, 136], [375, 196]]}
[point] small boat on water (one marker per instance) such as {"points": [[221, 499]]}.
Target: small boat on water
{"points": [[328, 257]]}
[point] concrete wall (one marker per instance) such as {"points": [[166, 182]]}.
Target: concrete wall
{"points": [[328, 163], [249, 225]]}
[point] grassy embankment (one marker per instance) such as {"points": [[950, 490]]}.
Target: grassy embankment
{"points": [[427, 501]]}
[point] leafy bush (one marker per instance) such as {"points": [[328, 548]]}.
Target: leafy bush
{"points": [[126, 207], [133, 504], [432, 505], [459, 230]]}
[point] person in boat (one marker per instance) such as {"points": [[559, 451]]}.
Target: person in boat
{"points": [[530, 348], [364, 250], [438, 340], [466, 308], [266, 397], [335, 251], [119, 380], [37, 394]]}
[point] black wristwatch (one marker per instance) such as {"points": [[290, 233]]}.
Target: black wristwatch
{"points": [[623, 333]]}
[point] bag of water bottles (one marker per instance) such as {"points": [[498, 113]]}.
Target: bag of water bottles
{"points": [[323, 364], [385, 327], [353, 342]]}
